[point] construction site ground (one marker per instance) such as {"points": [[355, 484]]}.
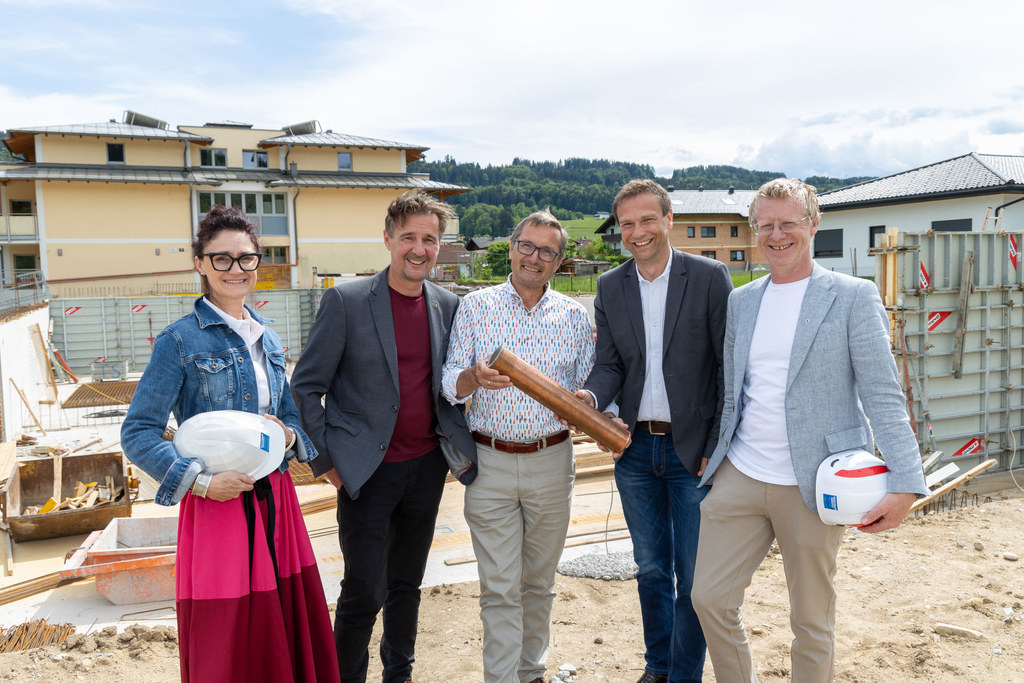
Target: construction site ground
{"points": [[939, 599]]}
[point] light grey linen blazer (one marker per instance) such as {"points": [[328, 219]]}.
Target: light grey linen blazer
{"points": [[842, 383]]}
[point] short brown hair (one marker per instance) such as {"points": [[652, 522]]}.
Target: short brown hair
{"points": [[642, 186], [414, 203], [787, 188]]}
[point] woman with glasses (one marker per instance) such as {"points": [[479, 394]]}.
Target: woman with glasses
{"points": [[250, 603]]}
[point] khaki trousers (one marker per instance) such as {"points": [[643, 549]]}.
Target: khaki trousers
{"points": [[739, 519], [518, 515]]}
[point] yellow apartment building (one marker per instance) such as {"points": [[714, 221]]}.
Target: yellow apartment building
{"points": [[111, 208]]}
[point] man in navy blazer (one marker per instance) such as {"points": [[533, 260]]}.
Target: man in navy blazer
{"points": [[368, 387], [660, 324], [808, 373]]}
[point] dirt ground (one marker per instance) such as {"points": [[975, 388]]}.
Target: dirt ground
{"points": [[896, 591]]}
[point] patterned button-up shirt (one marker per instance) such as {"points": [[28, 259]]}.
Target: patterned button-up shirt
{"points": [[555, 337]]}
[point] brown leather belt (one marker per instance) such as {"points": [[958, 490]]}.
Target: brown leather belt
{"points": [[656, 428], [521, 446]]}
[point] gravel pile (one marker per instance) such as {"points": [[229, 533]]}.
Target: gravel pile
{"points": [[607, 566]]}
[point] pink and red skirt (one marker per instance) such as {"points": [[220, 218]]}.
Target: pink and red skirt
{"points": [[239, 618]]}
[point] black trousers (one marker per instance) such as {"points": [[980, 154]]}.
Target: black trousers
{"points": [[385, 539]]}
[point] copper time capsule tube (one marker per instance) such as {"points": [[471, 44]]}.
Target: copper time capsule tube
{"points": [[559, 400]]}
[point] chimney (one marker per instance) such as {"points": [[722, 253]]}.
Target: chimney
{"points": [[671, 188], [701, 188], [293, 168], [731, 189]]}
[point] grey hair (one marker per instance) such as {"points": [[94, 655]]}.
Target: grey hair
{"points": [[787, 188], [545, 218]]}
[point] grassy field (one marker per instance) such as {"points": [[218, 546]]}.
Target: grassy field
{"points": [[582, 227]]}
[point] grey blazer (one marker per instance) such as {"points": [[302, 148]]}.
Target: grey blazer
{"points": [[351, 361], [695, 306], [842, 382]]}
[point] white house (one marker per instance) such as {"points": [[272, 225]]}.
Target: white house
{"points": [[974, 192]]}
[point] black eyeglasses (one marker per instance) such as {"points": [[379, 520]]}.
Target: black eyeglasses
{"points": [[224, 261], [546, 255]]}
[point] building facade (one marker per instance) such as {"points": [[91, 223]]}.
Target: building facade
{"points": [[711, 223], [111, 208], [969, 193]]}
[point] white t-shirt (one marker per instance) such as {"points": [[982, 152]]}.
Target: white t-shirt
{"points": [[760, 447]]}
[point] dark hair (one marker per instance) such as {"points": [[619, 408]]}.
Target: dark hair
{"points": [[414, 203], [222, 218]]}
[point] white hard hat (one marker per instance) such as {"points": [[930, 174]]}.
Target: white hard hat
{"points": [[849, 485], [232, 441]]}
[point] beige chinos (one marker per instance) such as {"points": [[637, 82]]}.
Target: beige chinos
{"points": [[739, 519], [518, 513]]}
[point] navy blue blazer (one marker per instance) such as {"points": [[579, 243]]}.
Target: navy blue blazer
{"points": [[694, 329]]}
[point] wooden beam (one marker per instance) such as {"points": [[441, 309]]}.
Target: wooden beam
{"points": [[966, 285]]}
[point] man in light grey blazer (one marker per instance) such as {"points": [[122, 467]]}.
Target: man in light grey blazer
{"points": [[808, 373], [660, 324], [368, 389]]}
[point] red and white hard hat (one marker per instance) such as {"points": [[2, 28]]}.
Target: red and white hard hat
{"points": [[232, 441], [849, 485]]}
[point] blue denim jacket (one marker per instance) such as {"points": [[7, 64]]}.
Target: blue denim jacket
{"points": [[200, 364]]}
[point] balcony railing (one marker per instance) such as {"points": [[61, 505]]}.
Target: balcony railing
{"points": [[25, 288], [18, 227]]}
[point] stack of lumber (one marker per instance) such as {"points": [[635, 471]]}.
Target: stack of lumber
{"points": [[84, 496]]}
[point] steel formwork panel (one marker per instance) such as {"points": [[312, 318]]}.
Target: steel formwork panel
{"points": [[980, 413], [123, 328]]}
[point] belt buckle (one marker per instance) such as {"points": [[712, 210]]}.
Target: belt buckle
{"points": [[650, 428]]}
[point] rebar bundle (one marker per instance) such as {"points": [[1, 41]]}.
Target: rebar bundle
{"points": [[32, 634]]}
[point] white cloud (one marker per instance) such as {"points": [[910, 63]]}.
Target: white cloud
{"points": [[796, 87]]}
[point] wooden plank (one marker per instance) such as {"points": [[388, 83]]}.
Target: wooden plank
{"points": [[8, 552], [938, 475], [966, 285], [27, 406], [8, 456], [49, 366], [946, 488]]}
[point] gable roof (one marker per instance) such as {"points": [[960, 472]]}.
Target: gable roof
{"points": [[963, 176], [332, 139], [711, 201], [701, 202]]}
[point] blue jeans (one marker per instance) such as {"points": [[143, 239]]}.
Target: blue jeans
{"points": [[661, 503]]}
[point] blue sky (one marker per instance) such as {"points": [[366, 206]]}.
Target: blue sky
{"points": [[804, 88]]}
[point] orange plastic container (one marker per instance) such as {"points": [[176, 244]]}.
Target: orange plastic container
{"points": [[132, 559]]}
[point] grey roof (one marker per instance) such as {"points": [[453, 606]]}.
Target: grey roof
{"points": [[970, 174], [112, 130], [332, 139], [115, 174], [700, 202], [380, 180], [215, 176], [711, 201]]}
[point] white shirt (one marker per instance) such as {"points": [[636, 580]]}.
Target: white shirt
{"points": [[760, 447], [654, 400], [251, 332]]}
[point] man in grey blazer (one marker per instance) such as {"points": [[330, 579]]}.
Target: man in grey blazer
{"points": [[808, 373], [368, 389], [660, 324]]}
